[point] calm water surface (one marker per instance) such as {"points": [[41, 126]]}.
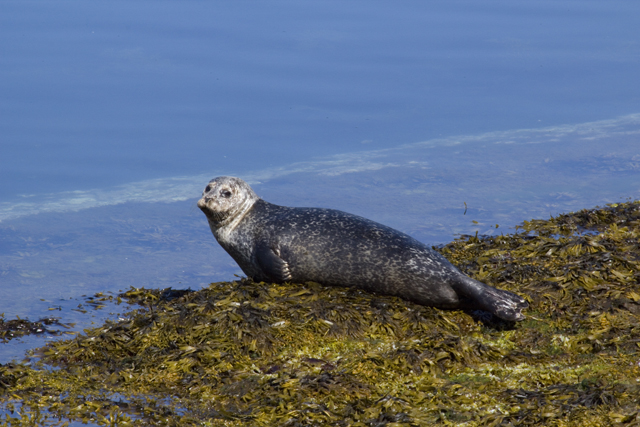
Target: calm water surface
{"points": [[114, 115]]}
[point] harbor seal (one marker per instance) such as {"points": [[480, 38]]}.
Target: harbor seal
{"points": [[279, 244]]}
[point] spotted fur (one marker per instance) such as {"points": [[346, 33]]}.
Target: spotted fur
{"points": [[278, 244]]}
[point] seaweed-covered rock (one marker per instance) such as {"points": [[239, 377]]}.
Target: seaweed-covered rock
{"points": [[10, 329], [249, 354]]}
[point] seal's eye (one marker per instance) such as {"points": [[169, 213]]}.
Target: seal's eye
{"points": [[206, 190], [225, 193]]}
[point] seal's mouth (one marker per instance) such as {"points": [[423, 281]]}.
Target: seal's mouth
{"points": [[202, 204], [211, 214]]}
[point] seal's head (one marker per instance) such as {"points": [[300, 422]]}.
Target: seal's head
{"points": [[226, 200]]}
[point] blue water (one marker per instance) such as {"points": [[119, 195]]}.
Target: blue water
{"points": [[114, 115]]}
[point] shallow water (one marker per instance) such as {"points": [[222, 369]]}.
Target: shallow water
{"points": [[113, 117]]}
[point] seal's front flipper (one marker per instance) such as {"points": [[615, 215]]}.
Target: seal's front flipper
{"points": [[272, 265]]}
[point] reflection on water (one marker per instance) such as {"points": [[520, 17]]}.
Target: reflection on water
{"points": [[531, 155]]}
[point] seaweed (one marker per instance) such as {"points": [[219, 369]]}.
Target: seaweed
{"points": [[10, 329], [249, 354]]}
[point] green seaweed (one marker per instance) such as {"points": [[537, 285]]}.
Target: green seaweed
{"points": [[256, 354]]}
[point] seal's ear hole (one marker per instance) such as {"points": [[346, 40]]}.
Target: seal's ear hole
{"points": [[225, 193]]}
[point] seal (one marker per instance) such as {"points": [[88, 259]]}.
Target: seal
{"points": [[279, 244]]}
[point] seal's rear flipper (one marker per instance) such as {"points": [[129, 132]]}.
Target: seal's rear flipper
{"points": [[503, 304]]}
